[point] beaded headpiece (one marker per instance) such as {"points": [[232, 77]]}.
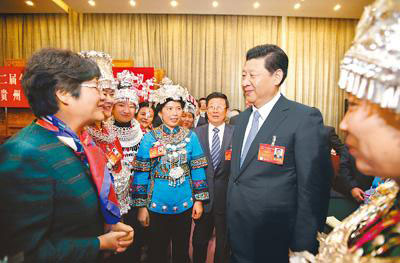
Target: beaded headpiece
{"points": [[168, 91], [190, 105], [104, 62], [129, 80], [371, 67], [126, 90]]}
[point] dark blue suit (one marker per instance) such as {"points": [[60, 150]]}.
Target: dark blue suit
{"points": [[271, 207]]}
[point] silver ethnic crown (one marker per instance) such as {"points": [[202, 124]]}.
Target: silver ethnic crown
{"points": [[104, 61], [371, 67]]}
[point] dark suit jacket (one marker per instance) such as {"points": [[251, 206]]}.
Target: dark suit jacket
{"points": [[49, 205], [268, 204], [202, 121], [348, 176], [217, 178], [334, 141], [233, 120]]}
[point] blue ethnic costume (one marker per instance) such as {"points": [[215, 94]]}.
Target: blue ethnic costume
{"points": [[170, 184], [169, 178]]}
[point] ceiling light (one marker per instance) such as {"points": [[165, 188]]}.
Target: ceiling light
{"points": [[215, 4], [30, 3], [174, 3], [132, 3], [92, 3], [256, 5], [297, 6], [337, 7]]}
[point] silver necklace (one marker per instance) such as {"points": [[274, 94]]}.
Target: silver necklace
{"points": [[99, 136], [132, 134]]}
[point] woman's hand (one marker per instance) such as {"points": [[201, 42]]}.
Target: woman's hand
{"points": [[144, 217], [127, 240], [111, 241], [358, 194], [197, 210]]}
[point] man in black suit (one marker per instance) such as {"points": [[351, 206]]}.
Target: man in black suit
{"points": [[274, 202], [215, 138], [349, 181], [200, 115]]}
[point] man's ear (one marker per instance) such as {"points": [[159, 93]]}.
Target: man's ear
{"points": [[278, 76], [63, 97]]}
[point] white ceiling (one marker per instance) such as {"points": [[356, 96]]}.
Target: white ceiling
{"points": [[309, 8]]}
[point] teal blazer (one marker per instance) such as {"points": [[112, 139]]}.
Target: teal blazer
{"points": [[49, 208]]}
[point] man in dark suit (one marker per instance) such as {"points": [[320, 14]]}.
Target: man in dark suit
{"points": [[274, 202], [200, 117], [200, 121], [349, 181], [215, 139]]}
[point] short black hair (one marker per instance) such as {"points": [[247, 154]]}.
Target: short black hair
{"points": [[275, 58], [161, 106], [144, 104], [202, 99], [50, 70], [215, 95]]}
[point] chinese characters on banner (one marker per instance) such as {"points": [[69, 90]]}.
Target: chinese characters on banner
{"points": [[11, 93]]}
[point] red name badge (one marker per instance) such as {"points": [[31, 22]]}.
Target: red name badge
{"points": [[228, 155], [271, 154], [157, 151], [114, 156]]}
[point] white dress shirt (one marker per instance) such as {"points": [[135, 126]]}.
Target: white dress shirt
{"points": [[196, 120], [264, 111], [211, 133]]}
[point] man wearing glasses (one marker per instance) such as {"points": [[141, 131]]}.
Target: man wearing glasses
{"points": [[215, 138]]}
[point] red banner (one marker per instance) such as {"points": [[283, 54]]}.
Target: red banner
{"points": [[143, 74], [11, 93]]}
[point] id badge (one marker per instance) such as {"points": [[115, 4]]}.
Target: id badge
{"points": [[157, 151], [114, 156], [228, 155], [271, 154]]}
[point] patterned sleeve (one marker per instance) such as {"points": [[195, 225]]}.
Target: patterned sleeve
{"points": [[141, 166], [27, 210], [198, 162]]}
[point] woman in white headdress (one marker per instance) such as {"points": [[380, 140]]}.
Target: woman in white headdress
{"points": [[170, 182], [103, 133]]}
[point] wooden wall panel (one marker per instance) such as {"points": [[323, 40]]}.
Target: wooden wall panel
{"points": [[15, 121]]}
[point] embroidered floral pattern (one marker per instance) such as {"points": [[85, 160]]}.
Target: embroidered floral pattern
{"points": [[202, 196], [200, 162], [142, 165]]}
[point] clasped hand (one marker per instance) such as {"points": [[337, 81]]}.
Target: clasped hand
{"points": [[118, 239]]}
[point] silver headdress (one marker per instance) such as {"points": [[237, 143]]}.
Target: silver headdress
{"points": [[168, 90], [104, 61], [166, 81], [127, 90], [190, 105], [371, 67]]}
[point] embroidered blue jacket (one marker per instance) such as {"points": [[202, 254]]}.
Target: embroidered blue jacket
{"points": [[152, 182]]}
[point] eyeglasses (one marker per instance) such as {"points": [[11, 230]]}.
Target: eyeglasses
{"points": [[216, 108], [91, 84]]}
